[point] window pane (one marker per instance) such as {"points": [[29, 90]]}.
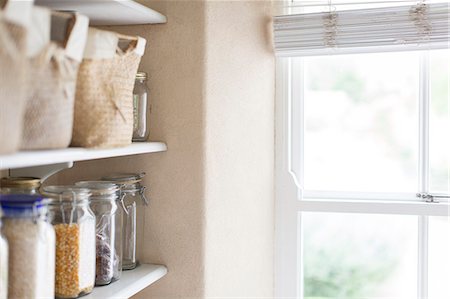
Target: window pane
{"points": [[361, 122], [439, 258], [359, 256], [440, 121]]}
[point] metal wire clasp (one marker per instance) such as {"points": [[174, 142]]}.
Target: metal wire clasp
{"points": [[144, 198], [427, 197]]}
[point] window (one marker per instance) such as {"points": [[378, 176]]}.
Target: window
{"points": [[359, 136]]}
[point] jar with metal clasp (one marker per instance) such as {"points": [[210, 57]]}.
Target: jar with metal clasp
{"points": [[104, 202], [74, 224], [132, 194]]}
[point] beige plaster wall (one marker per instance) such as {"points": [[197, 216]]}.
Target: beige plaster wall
{"points": [[239, 150], [211, 214]]}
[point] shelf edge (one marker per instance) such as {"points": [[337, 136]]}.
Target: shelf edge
{"points": [[48, 157], [116, 290]]}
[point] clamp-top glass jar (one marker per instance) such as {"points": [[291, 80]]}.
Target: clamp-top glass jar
{"points": [[20, 185], [141, 108], [3, 263], [132, 193], [103, 199], [31, 241], [74, 224]]}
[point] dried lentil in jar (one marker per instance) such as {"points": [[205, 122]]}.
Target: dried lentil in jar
{"points": [[74, 225], [103, 204], [31, 241]]}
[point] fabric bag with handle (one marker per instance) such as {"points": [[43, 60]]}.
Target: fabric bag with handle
{"points": [[55, 54], [104, 97], [14, 18]]}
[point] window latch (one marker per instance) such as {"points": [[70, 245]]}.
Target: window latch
{"points": [[434, 198]]}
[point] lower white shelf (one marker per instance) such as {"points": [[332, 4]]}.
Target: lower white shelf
{"points": [[74, 154], [131, 282]]}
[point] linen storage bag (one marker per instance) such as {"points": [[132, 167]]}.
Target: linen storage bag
{"points": [[13, 71], [104, 97], [53, 70]]}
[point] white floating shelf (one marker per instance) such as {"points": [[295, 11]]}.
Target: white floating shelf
{"points": [[130, 283], [108, 12], [73, 154]]}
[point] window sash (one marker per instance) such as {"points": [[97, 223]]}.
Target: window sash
{"points": [[296, 141], [292, 199]]}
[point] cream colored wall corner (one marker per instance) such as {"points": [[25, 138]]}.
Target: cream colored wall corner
{"points": [[239, 150], [212, 82]]}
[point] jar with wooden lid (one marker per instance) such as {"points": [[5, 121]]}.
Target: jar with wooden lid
{"points": [[133, 193], [103, 203], [31, 241], [74, 224], [3, 263], [20, 185]]}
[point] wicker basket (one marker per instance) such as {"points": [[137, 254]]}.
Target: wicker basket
{"points": [[13, 67], [104, 97], [49, 114]]}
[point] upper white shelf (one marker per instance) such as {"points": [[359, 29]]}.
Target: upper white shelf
{"points": [[47, 157], [108, 12], [130, 283]]}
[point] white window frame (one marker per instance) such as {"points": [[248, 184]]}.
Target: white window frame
{"points": [[290, 195]]}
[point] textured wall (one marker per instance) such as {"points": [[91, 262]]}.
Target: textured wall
{"points": [[239, 150], [211, 215]]}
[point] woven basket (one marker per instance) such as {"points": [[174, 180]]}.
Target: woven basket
{"points": [[13, 69], [49, 114], [104, 98]]}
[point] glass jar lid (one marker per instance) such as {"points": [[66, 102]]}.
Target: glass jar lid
{"points": [[99, 188], [20, 182], [130, 183], [19, 204], [66, 193], [125, 178]]}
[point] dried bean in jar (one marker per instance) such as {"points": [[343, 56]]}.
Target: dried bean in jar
{"points": [[104, 261]]}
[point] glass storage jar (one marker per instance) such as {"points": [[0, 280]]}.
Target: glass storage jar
{"points": [[31, 241], [20, 185], [3, 264], [103, 203], [74, 224], [141, 108], [132, 193]]}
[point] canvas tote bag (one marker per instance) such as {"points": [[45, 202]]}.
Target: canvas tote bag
{"points": [[104, 97], [53, 73], [14, 18]]}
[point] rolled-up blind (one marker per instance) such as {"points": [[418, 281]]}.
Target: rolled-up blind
{"points": [[401, 28]]}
